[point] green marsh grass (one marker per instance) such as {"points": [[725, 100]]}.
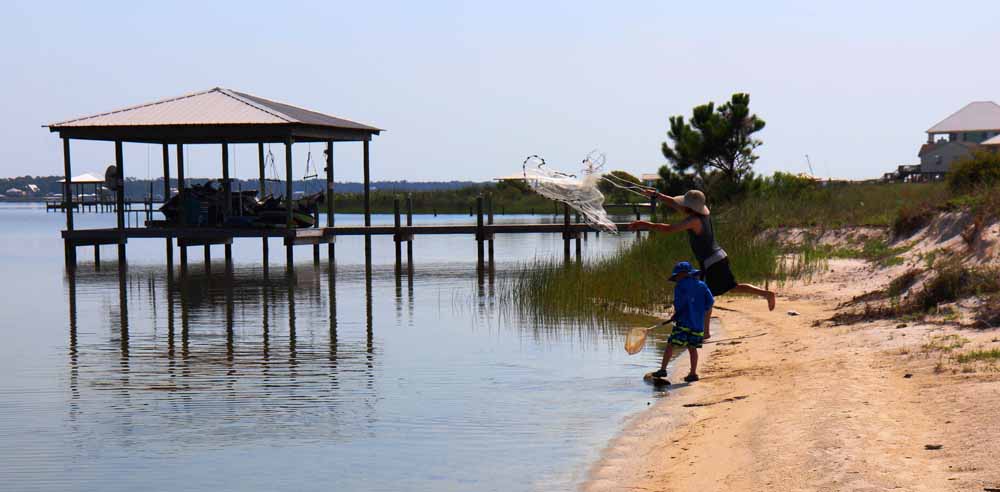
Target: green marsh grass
{"points": [[634, 279]]}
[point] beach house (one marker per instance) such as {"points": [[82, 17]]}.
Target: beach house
{"points": [[974, 127]]}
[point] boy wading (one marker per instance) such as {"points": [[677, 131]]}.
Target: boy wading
{"points": [[692, 311]]}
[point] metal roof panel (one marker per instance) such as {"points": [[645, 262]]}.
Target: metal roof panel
{"points": [[216, 106], [975, 116]]}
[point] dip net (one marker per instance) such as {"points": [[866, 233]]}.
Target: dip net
{"points": [[579, 191]]}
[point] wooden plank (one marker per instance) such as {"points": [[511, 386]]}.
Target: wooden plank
{"points": [[203, 241], [96, 241], [328, 233]]}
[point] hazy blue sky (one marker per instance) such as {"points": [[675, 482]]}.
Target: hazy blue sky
{"points": [[467, 90]]}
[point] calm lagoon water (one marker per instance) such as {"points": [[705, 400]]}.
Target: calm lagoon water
{"points": [[325, 379]]}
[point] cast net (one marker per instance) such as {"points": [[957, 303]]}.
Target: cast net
{"points": [[579, 192]]}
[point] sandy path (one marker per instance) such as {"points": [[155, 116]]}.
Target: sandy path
{"points": [[812, 408]]}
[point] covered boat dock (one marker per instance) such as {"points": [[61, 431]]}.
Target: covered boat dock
{"points": [[214, 117]]}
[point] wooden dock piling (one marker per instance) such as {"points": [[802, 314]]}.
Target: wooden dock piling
{"points": [[566, 232], [227, 189], [489, 220], [166, 198], [397, 238], [262, 190], [409, 241], [120, 197], [289, 222], [328, 200], [479, 232], [68, 204]]}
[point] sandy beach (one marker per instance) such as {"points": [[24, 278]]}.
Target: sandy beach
{"points": [[813, 406]]}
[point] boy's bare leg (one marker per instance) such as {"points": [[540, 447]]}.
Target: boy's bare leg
{"points": [[694, 360], [755, 291], [669, 352], [708, 324]]}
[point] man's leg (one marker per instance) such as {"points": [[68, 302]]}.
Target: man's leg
{"points": [[755, 291]]}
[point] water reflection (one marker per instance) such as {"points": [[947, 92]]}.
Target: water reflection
{"points": [[249, 358]]}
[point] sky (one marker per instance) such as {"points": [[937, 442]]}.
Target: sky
{"points": [[467, 90]]}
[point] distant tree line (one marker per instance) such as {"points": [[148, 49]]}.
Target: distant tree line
{"points": [[138, 189]]}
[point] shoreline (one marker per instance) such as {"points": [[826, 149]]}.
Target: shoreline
{"points": [[812, 406]]}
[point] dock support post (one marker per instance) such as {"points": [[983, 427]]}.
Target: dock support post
{"points": [[262, 190], [316, 226], [397, 237], [227, 189], [120, 199], [566, 232], [208, 258], [579, 247], [97, 257], [181, 194], [489, 221], [289, 224], [368, 208], [184, 259], [409, 241], [328, 199], [70, 251], [479, 232], [166, 197]]}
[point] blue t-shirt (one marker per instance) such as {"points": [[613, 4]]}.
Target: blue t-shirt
{"points": [[692, 298]]}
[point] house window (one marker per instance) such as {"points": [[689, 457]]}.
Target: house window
{"points": [[937, 160]]}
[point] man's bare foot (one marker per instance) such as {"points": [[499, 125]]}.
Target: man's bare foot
{"points": [[770, 301]]}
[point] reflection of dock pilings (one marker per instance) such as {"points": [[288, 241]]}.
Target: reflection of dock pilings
{"points": [[194, 293], [224, 372]]}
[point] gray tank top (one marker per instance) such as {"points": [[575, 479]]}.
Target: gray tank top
{"points": [[703, 245]]}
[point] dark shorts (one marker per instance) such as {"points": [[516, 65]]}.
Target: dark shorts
{"points": [[719, 277], [686, 337]]}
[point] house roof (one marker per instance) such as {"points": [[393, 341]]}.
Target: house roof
{"points": [[993, 141], [650, 177], [929, 147], [85, 178], [975, 116], [216, 114]]}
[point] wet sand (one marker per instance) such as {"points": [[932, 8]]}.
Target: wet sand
{"points": [[817, 407]]}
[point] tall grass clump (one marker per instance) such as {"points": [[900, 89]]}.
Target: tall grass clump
{"points": [[634, 279]]}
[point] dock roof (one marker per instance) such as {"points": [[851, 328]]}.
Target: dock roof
{"points": [[975, 116], [85, 178], [214, 116]]}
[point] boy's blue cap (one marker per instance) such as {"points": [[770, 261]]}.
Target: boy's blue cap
{"points": [[682, 267]]}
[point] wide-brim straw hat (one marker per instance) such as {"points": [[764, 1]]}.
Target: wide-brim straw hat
{"points": [[694, 200]]}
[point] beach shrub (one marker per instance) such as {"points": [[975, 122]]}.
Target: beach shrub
{"points": [[979, 170], [953, 282]]}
